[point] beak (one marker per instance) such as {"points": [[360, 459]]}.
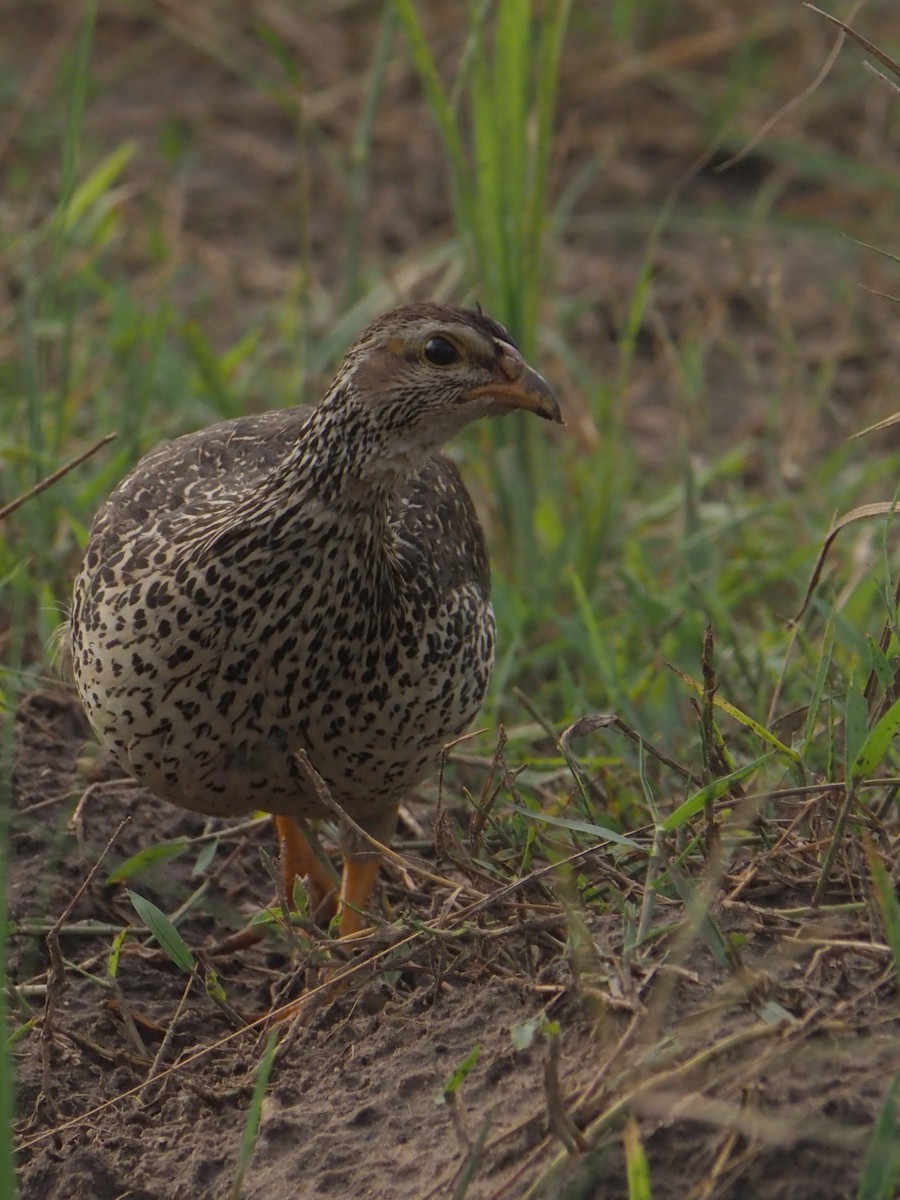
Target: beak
{"points": [[529, 391]]}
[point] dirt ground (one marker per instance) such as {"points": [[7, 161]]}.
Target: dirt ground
{"points": [[754, 1069], [761, 1081]]}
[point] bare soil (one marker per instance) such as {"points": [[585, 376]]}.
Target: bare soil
{"points": [[761, 1077], [753, 1068]]}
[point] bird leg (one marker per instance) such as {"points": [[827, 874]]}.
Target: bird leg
{"points": [[360, 869], [299, 861], [357, 881], [361, 862]]}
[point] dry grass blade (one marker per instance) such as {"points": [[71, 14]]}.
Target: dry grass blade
{"points": [[884, 59], [325, 796], [52, 478], [795, 102], [590, 724], [885, 423], [864, 513]]}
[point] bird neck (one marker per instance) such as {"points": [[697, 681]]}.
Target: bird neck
{"points": [[351, 458]]}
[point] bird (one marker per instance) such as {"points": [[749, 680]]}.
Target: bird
{"points": [[308, 585]]}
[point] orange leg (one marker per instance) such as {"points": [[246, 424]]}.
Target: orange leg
{"points": [[357, 881], [360, 869], [299, 862]]}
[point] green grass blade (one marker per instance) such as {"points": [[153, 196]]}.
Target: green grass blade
{"points": [[76, 100], [92, 191], [713, 791], [636, 1165], [552, 35], [742, 718], [597, 831], [211, 369], [815, 700], [254, 1114], [881, 1165], [856, 726], [888, 904], [425, 66], [361, 154], [115, 951]]}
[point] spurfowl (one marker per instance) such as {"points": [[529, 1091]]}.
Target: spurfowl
{"points": [[314, 578]]}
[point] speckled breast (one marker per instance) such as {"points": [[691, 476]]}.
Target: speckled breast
{"points": [[204, 675]]}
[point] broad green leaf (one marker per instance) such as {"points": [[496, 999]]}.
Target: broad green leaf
{"points": [[163, 931], [205, 857], [160, 852], [876, 744], [300, 897], [266, 916]]}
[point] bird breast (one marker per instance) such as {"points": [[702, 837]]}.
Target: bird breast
{"points": [[206, 675]]}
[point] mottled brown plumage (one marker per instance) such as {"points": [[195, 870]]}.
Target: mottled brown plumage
{"points": [[313, 579]]}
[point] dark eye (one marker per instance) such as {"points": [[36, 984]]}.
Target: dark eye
{"points": [[440, 352]]}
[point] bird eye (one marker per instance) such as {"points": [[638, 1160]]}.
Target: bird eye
{"points": [[440, 352]]}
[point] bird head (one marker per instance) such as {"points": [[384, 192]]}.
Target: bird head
{"points": [[425, 371]]}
